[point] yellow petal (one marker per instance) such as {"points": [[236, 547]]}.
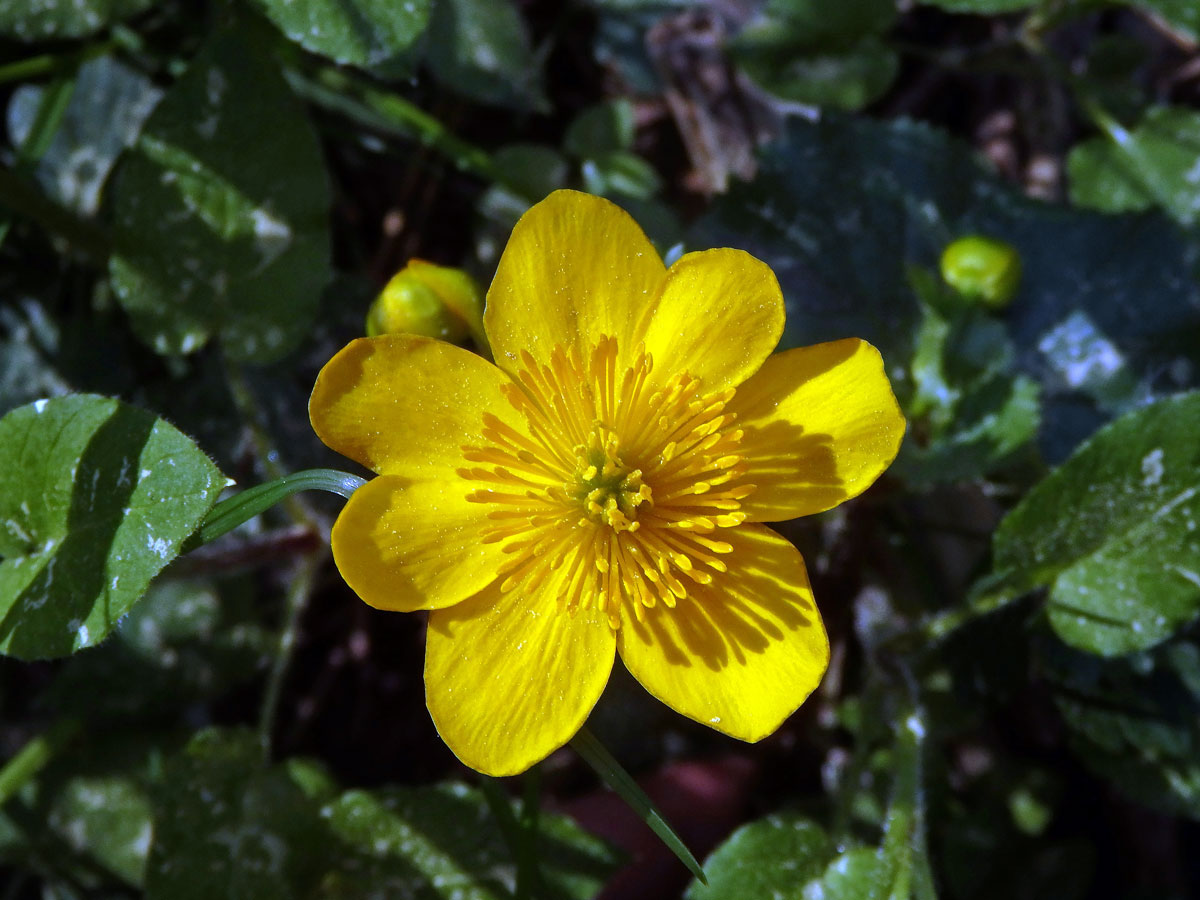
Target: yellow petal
{"points": [[509, 678], [576, 267], [740, 654], [405, 405], [405, 545], [821, 425], [720, 315]]}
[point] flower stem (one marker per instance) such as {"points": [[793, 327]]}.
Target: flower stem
{"points": [[597, 756], [245, 505], [356, 97], [53, 63], [31, 758], [297, 599], [529, 875], [519, 833], [282, 489]]}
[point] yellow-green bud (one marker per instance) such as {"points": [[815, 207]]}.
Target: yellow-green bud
{"points": [[434, 301], [982, 269]]}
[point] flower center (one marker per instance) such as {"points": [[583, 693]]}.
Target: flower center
{"points": [[609, 491], [614, 493]]}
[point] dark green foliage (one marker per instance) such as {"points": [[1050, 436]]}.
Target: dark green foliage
{"points": [[221, 211], [96, 497], [198, 203]]}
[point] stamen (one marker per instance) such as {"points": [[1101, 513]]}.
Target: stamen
{"points": [[608, 494]]}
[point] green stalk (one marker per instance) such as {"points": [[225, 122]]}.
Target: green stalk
{"points": [[52, 63], [529, 875], [297, 599], [519, 833], [597, 756], [32, 758], [245, 505], [233, 511], [356, 97], [904, 846], [46, 122]]}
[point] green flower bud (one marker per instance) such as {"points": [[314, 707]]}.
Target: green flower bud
{"points": [[982, 269], [434, 301]]}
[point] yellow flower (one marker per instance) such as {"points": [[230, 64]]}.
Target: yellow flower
{"points": [[600, 489]]}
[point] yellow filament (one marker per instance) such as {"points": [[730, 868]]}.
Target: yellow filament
{"points": [[613, 494]]}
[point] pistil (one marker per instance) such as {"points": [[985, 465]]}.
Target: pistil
{"points": [[616, 496]]}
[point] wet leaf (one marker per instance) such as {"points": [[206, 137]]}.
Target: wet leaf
{"points": [[1134, 720], [982, 7], [1113, 532], [96, 497], [820, 52], [220, 211], [227, 825], [1158, 163], [970, 411], [772, 857], [108, 105], [1182, 14], [482, 49], [604, 128], [181, 644], [843, 208], [1101, 178], [359, 32], [109, 819], [37, 20], [441, 840]]}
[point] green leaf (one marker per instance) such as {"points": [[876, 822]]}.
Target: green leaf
{"points": [[821, 52], [832, 24], [899, 869], [1101, 178], [1134, 720], [1113, 532], [532, 169], [481, 48], [843, 208], [788, 856], [1182, 14], [770, 858], [220, 211], [43, 115], [596, 755], [103, 116], [831, 221], [226, 825], [1156, 163], [37, 20], [604, 128], [621, 175], [358, 32], [1111, 67], [440, 840], [95, 498], [858, 874], [848, 80], [181, 644], [981, 7], [107, 817], [971, 414]]}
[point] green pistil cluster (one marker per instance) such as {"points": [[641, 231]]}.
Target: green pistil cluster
{"points": [[607, 489]]}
